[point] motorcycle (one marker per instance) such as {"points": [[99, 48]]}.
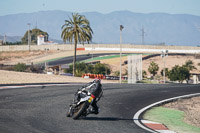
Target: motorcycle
{"points": [[86, 96]]}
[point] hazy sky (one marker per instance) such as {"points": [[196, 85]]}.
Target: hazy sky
{"points": [[102, 6]]}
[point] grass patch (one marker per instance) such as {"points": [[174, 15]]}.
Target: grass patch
{"points": [[107, 57], [54, 59], [103, 57], [172, 118]]}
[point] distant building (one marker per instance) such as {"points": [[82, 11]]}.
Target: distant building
{"points": [[41, 40]]}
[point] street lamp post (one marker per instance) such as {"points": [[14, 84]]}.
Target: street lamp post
{"points": [[29, 36], [46, 49], [120, 76], [92, 53], [163, 55]]}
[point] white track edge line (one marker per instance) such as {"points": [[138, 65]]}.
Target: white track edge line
{"points": [[136, 116], [24, 86]]}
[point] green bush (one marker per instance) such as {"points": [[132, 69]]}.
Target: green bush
{"points": [[179, 73], [166, 72], [117, 73], [82, 68], [102, 69], [20, 67], [144, 74]]}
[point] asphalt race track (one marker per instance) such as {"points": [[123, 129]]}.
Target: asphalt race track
{"points": [[67, 60], [42, 109]]}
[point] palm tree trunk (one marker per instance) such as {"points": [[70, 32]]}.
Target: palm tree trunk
{"points": [[74, 60]]}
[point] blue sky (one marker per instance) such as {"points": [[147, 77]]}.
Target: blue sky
{"points": [[102, 6]]}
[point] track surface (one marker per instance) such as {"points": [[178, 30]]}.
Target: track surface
{"points": [[67, 60], [42, 109]]}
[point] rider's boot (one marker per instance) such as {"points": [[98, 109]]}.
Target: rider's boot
{"points": [[94, 111]]}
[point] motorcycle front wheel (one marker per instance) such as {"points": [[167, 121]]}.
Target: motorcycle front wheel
{"points": [[80, 110]]}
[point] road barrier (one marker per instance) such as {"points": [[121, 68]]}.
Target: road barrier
{"points": [[80, 48], [101, 76], [104, 47]]}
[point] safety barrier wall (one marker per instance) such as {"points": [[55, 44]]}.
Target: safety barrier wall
{"points": [[101, 76], [92, 46], [35, 47]]}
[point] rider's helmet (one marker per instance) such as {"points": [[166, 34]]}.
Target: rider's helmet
{"points": [[97, 79]]}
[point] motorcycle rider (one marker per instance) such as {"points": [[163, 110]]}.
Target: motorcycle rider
{"points": [[95, 88]]}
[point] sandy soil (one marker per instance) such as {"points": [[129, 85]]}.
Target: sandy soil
{"points": [[10, 77], [191, 107]]}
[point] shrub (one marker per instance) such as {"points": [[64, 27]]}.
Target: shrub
{"points": [[21, 67], [36, 69], [116, 73], [144, 74], [88, 68], [179, 73], [102, 69], [166, 72], [153, 68]]}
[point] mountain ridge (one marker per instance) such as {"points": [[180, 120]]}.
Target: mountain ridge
{"points": [[171, 29]]}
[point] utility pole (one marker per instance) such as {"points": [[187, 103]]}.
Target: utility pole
{"points": [[29, 36], [45, 63], [143, 34], [120, 76], [92, 53], [4, 39]]}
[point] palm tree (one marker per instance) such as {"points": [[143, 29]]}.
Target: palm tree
{"points": [[153, 68], [77, 29]]}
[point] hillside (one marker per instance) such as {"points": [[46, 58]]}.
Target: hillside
{"points": [[171, 29]]}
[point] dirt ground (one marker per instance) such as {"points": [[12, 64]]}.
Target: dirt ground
{"points": [[191, 107], [11, 77]]}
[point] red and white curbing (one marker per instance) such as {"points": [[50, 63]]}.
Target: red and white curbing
{"points": [[159, 127]]}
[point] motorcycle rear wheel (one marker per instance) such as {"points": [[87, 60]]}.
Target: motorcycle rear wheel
{"points": [[83, 107]]}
